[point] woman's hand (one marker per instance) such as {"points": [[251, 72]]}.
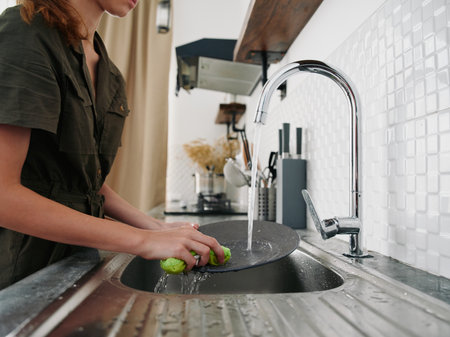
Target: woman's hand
{"points": [[179, 242], [119, 209], [175, 224], [25, 211]]}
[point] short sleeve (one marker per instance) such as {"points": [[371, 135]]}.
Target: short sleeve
{"points": [[29, 90]]}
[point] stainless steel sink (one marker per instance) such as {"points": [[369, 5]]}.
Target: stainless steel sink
{"points": [[297, 272]]}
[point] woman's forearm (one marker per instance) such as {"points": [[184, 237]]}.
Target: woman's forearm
{"points": [[25, 211], [119, 209]]}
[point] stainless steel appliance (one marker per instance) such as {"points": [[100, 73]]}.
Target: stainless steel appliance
{"points": [[211, 198]]}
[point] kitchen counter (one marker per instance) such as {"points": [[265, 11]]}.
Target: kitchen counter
{"points": [[83, 296]]}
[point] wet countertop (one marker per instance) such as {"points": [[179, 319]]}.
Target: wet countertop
{"points": [[83, 296]]}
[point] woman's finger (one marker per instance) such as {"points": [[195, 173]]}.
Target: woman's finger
{"points": [[213, 244]]}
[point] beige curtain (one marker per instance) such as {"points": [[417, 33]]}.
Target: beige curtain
{"points": [[143, 56]]}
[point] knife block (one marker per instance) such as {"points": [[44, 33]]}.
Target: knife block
{"points": [[291, 179]]}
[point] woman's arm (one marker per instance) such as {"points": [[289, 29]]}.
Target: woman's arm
{"points": [[25, 211], [119, 209]]}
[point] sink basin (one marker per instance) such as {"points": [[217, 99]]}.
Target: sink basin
{"points": [[297, 272]]}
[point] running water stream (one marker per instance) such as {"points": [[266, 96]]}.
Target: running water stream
{"points": [[190, 282], [184, 283], [253, 185]]}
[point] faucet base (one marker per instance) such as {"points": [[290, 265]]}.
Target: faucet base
{"points": [[358, 256]]}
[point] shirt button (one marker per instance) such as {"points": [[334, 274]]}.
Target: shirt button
{"points": [[122, 108], [99, 172]]}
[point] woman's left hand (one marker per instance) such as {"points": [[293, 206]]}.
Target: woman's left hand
{"points": [[118, 209], [168, 225]]}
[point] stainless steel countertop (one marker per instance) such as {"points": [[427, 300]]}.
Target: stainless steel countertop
{"points": [[371, 302]]}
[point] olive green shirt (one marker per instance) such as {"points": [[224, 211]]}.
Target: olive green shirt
{"points": [[45, 86]]}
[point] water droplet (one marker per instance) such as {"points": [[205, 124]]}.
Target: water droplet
{"points": [[161, 285]]}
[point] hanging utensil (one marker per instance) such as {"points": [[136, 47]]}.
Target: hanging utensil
{"points": [[247, 155], [234, 175], [272, 167]]}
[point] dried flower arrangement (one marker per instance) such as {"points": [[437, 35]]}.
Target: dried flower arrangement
{"points": [[212, 156]]}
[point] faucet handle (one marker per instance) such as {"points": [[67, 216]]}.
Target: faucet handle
{"points": [[327, 228], [330, 227]]}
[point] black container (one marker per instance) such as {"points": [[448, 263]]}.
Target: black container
{"points": [[291, 179]]}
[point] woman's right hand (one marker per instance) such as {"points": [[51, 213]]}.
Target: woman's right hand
{"points": [[179, 242]]}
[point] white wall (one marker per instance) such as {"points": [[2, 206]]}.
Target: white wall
{"points": [[397, 53], [192, 115], [194, 20], [328, 28], [6, 3], [398, 58]]}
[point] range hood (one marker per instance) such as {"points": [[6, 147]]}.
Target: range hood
{"points": [[208, 64]]}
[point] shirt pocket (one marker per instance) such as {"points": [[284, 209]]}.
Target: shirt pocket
{"points": [[114, 121], [76, 128]]}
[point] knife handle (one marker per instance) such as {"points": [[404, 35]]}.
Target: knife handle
{"points": [[286, 138], [299, 142], [280, 142]]}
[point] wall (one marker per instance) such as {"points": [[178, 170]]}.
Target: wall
{"points": [[6, 3], [397, 54], [192, 115], [398, 59]]}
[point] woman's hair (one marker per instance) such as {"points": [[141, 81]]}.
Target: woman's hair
{"points": [[59, 14]]}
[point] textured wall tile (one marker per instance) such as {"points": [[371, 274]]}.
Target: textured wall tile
{"points": [[433, 204], [444, 163], [442, 58], [444, 183], [421, 259], [444, 203], [399, 62], [444, 121], [403, 82], [444, 224], [433, 220], [444, 244], [444, 266], [433, 262], [421, 239]]}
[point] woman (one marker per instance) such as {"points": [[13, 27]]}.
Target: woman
{"points": [[62, 110]]}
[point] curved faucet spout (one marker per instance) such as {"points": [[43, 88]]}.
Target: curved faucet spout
{"points": [[313, 66]]}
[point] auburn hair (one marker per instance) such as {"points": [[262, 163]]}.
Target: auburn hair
{"points": [[58, 14]]}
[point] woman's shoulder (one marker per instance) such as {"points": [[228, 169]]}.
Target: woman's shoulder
{"points": [[10, 17], [16, 34], [12, 23]]}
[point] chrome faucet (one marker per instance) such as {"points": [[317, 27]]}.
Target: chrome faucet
{"points": [[329, 227]]}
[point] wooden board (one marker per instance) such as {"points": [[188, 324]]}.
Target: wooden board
{"points": [[226, 111], [272, 26]]}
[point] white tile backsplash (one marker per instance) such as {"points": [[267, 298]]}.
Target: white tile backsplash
{"points": [[399, 62]]}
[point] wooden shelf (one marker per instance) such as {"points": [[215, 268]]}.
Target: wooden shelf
{"points": [[271, 26], [226, 112]]}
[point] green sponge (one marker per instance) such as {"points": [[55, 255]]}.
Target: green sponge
{"points": [[213, 258], [173, 265]]}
